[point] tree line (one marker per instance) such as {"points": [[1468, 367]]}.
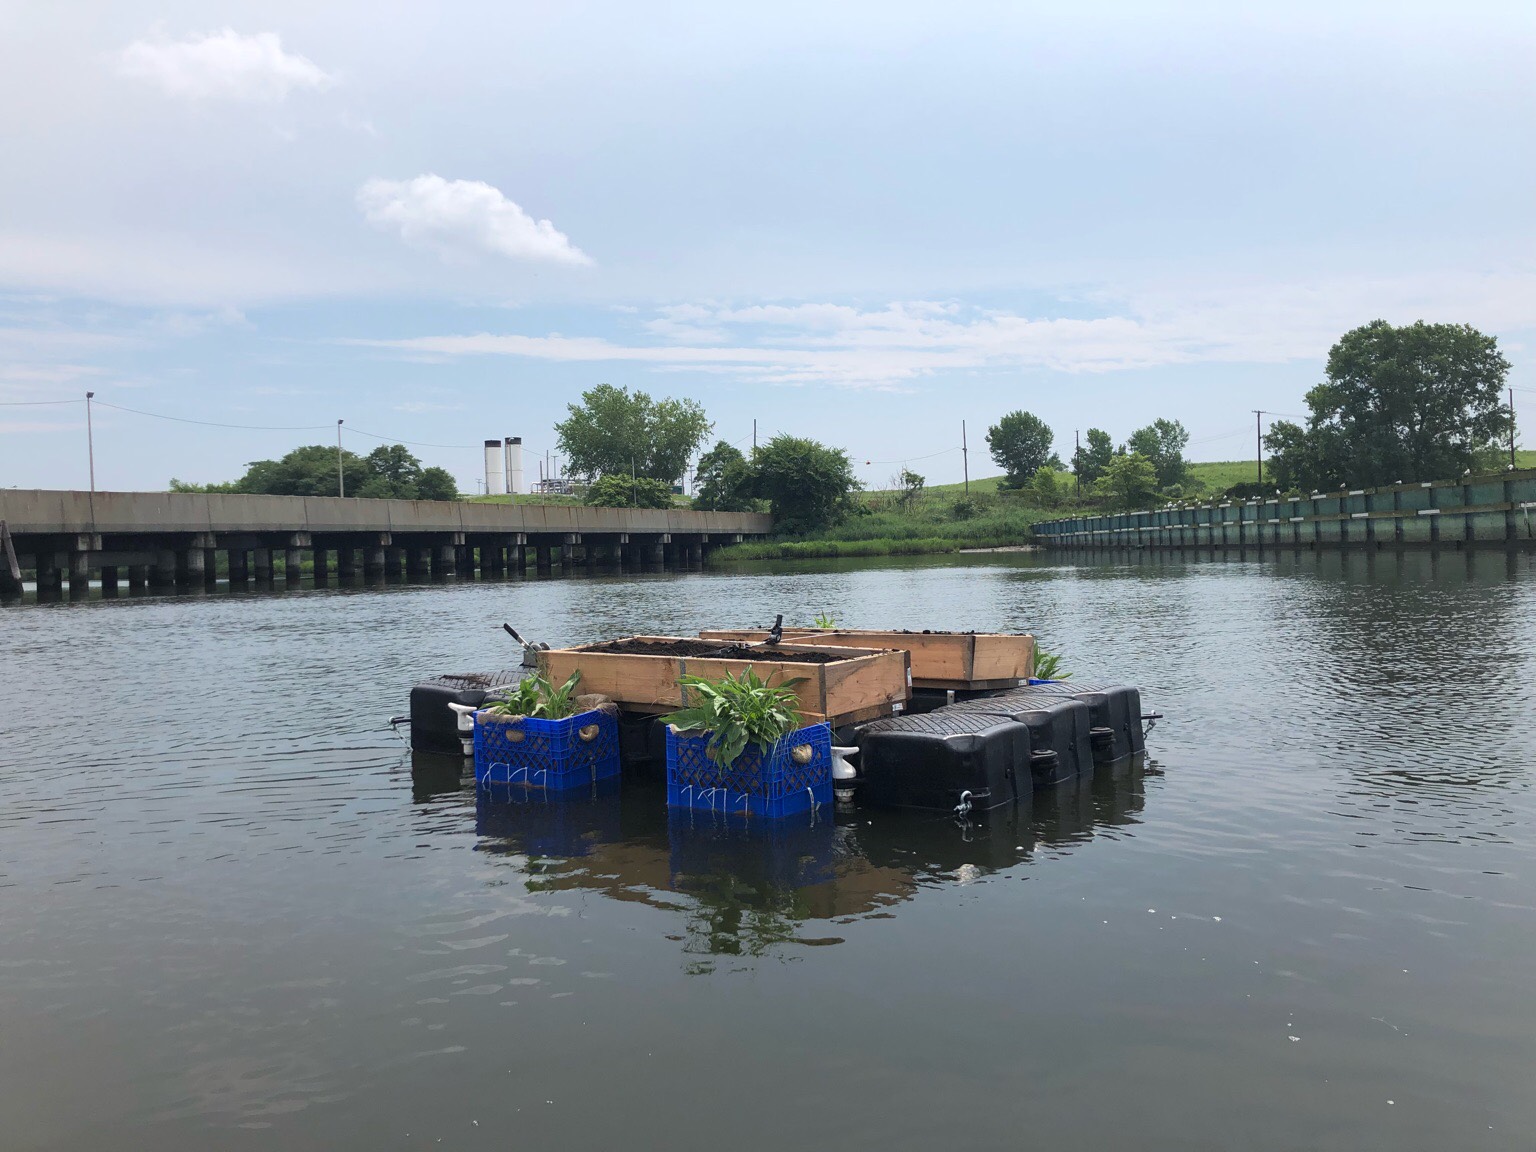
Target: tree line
{"points": [[389, 472], [633, 450], [1410, 403], [1419, 402], [1150, 462]]}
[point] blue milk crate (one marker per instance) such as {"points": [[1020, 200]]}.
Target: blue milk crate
{"points": [[762, 782], [555, 755]]}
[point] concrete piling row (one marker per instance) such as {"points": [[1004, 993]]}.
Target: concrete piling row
{"points": [[340, 560]]}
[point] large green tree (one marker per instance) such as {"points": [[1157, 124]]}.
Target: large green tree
{"points": [[1130, 481], [722, 481], [807, 484], [1021, 446], [1090, 460], [1417, 402], [615, 430], [394, 474], [1162, 442], [307, 471]]}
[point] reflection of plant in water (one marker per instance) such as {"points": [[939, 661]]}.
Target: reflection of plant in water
{"points": [[733, 918]]}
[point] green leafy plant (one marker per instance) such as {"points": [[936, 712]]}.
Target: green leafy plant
{"points": [[536, 696], [737, 711], [825, 622], [1048, 666]]}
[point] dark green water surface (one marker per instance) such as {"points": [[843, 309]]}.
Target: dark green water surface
{"points": [[235, 915]]}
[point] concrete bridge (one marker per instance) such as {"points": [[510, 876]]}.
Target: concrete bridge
{"points": [[175, 538]]}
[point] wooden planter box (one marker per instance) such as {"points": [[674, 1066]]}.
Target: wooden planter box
{"points": [[862, 684], [960, 660]]}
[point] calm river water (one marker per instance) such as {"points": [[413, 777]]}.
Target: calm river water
{"points": [[234, 914]]}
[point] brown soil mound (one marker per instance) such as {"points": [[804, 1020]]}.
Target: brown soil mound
{"points": [[711, 650]]}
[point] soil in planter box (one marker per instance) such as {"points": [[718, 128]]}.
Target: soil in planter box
{"points": [[712, 650]]}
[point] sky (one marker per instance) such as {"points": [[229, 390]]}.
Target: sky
{"points": [[865, 223]]}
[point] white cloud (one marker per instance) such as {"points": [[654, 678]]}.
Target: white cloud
{"points": [[223, 65], [457, 218], [891, 346]]}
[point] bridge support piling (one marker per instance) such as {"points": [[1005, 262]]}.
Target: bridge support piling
{"points": [[50, 577], [138, 576], [293, 566], [416, 563], [108, 580], [239, 567], [695, 555], [373, 563], [519, 559], [445, 560], [346, 562], [163, 573], [322, 566], [261, 560], [210, 567], [190, 563], [542, 559], [79, 575]]}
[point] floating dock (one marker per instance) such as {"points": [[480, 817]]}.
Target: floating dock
{"points": [[989, 742]]}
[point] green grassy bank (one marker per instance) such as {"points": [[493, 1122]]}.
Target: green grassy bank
{"points": [[944, 518]]}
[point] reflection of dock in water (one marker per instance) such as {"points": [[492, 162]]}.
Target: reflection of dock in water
{"points": [[749, 885]]}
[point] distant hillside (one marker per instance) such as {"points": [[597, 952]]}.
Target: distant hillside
{"points": [[1209, 476]]}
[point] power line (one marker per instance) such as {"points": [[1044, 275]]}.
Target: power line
{"points": [[217, 424], [412, 443], [1221, 435], [910, 459], [35, 403], [252, 427]]}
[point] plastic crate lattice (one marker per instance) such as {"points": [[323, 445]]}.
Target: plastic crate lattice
{"points": [[764, 785], [546, 754]]}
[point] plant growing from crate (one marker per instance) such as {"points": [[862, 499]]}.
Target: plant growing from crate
{"points": [[1048, 667], [825, 622], [741, 748], [536, 696], [534, 735]]}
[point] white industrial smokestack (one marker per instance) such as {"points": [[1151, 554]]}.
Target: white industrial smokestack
{"points": [[514, 464], [495, 469]]}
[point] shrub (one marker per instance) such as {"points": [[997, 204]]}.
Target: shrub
{"points": [[620, 490], [737, 711]]}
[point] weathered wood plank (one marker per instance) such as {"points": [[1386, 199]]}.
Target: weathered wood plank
{"points": [[861, 684], [961, 660]]}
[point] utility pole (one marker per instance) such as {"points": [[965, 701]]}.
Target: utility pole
{"points": [[1258, 440], [754, 435], [1077, 464], [91, 438], [965, 457], [1512, 427], [341, 477]]}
